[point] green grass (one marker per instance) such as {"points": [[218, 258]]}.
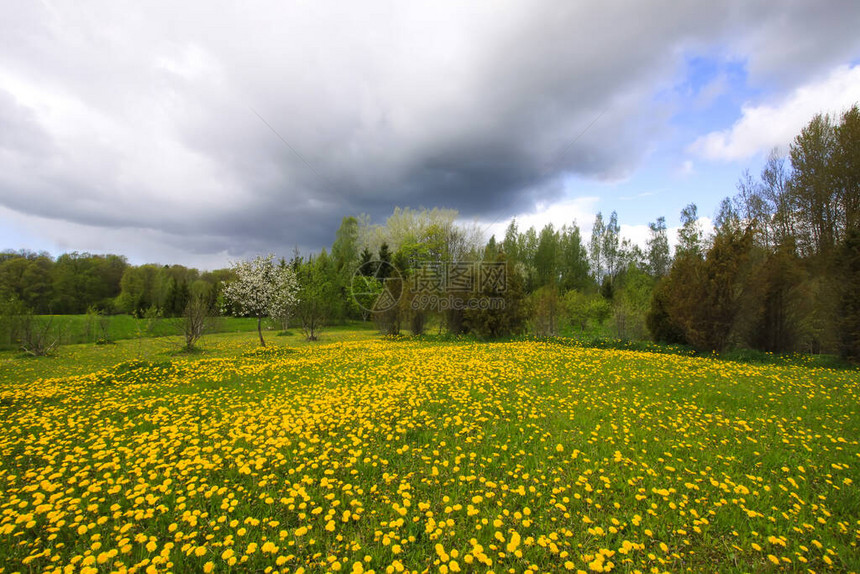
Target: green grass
{"points": [[81, 329], [237, 335], [76, 329], [449, 454]]}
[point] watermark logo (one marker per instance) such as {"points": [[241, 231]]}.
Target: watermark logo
{"points": [[450, 301], [378, 286]]}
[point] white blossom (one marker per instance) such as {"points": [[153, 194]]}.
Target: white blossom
{"points": [[261, 288]]}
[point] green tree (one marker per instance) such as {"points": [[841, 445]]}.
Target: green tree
{"points": [[752, 206], [138, 289], [344, 250], [81, 280], [727, 216], [547, 311], [13, 315], [779, 301], [176, 299], [847, 169], [690, 234], [631, 301], [546, 257], [384, 261], [659, 258], [491, 249], [510, 245], [573, 260], [507, 310], [365, 263], [664, 311], [775, 189], [848, 324], [28, 277], [318, 296], [704, 297], [582, 309], [527, 244], [814, 184]]}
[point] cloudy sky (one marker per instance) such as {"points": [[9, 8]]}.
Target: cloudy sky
{"points": [[195, 132]]}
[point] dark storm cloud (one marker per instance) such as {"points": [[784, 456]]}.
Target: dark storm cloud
{"points": [[144, 116]]}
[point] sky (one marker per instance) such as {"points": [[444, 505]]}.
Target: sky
{"points": [[202, 132]]}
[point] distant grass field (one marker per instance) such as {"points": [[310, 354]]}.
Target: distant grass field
{"points": [[78, 329], [363, 454]]}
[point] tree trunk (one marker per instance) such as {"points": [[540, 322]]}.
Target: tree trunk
{"points": [[260, 331]]}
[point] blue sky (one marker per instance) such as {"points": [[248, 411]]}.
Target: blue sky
{"points": [[708, 96], [195, 135]]}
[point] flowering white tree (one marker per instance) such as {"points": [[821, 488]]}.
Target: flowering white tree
{"points": [[261, 289]]}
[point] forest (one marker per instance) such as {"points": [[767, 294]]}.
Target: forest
{"points": [[779, 271]]}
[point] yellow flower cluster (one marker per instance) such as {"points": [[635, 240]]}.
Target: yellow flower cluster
{"points": [[404, 456]]}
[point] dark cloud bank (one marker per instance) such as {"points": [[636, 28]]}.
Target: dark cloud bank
{"points": [[144, 116]]}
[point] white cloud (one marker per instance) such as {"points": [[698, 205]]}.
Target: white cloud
{"points": [[580, 210], [638, 234], [764, 126]]}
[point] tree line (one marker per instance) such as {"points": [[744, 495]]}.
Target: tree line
{"points": [[75, 283], [779, 271]]}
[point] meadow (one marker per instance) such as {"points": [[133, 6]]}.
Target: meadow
{"points": [[106, 329], [359, 454]]}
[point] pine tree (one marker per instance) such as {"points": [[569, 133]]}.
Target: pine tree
{"points": [[384, 269], [778, 301]]}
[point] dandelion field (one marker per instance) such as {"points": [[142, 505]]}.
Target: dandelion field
{"points": [[394, 456]]}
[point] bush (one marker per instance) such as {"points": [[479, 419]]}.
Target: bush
{"points": [[98, 326], [501, 320], [37, 335], [196, 320], [658, 320], [547, 311], [582, 310]]}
